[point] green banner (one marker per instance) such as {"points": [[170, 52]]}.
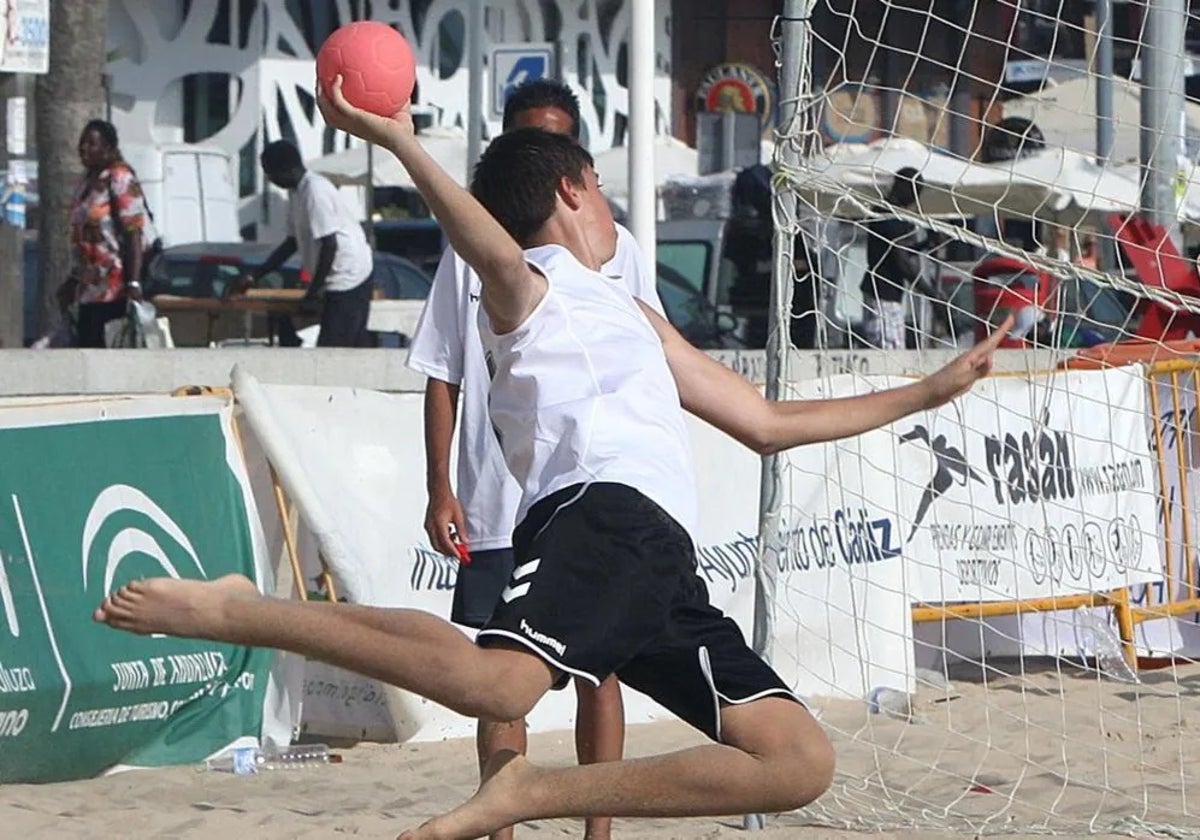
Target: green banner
{"points": [[84, 508]]}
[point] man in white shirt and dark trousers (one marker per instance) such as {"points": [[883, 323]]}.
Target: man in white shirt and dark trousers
{"points": [[448, 350], [587, 397], [333, 250]]}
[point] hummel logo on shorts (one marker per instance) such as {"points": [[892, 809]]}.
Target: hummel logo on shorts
{"points": [[543, 639], [516, 590]]}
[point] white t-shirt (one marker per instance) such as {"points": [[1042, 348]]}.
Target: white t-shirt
{"points": [[447, 346], [316, 210], [581, 393]]}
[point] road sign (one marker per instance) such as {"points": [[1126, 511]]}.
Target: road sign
{"points": [[514, 64]]}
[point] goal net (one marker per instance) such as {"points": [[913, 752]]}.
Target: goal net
{"points": [[992, 605]]}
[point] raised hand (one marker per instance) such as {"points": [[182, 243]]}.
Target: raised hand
{"points": [[956, 378], [340, 114]]}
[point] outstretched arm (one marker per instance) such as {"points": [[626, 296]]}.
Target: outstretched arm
{"points": [[511, 289], [725, 400]]}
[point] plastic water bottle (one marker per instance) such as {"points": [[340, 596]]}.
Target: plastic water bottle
{"points": [[247, 761], [893, 703], [1107, 645]]}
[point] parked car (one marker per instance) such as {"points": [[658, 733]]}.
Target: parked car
{"points": [[729, 268], [208, 270], [419, 240], [697, 320]]}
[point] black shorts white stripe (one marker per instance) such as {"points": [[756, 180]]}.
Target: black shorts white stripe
{"points": [[605, 582]]}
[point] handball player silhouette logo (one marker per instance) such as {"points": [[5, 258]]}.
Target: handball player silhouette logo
{"points": [[952, 467]]}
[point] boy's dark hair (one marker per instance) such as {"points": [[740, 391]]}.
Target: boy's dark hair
{"points": [[518, 174], [542, 93], [281, 156]]}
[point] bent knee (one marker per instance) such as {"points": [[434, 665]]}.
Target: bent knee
{"points": [[797, 755], [814, 763], [803, 770]]}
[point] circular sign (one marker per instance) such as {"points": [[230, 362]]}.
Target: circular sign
{"points": [[734, 87], [850, 115]]}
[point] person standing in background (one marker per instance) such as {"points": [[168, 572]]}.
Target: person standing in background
{"points": [[111, 229], [893, 266], [333, 249]]}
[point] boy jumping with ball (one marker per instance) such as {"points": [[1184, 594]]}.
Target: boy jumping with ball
{"points": [[447, 348], [587, 397]]}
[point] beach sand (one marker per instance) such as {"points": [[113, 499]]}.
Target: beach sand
{"points": [[1057, 749]]}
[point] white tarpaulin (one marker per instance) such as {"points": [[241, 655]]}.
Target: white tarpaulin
{"points": [[448, 146], [1178, 518], [1083, 190], [1057, 184], [671, 157], [846, 179]]}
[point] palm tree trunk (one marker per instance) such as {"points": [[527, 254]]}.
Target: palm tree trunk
{"points": [[69, 95], [12, 285]]}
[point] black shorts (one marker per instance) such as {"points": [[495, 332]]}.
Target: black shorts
{"points": [[479, 585], [605, 582]]}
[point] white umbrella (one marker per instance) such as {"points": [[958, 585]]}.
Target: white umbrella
{"points": [[671, 157], [448, 146], [1084, 192], [1066, 115], [846, 179]]}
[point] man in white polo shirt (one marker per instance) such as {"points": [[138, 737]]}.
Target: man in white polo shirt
{"points": [[333, 249]]}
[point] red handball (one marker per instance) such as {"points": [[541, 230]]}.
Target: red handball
{"points": [[376, 65]]}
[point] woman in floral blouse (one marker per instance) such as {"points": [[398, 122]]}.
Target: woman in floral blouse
{"points": [[110, 231]]}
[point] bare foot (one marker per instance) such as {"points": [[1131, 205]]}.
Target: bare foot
{"points": [[494, 805], [188, 608]]}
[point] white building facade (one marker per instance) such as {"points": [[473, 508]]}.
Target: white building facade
{"points": [[240, 73]]}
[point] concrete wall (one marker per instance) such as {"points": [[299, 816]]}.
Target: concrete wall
{"points": [[90, 372]]}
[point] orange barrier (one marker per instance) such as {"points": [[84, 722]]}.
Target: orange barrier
{"points": [[1173, 382]]}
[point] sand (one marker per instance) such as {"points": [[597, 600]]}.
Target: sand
{"points": [[1054, 749]]}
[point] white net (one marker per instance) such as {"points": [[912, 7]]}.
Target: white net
{"points": [[994, 605]]}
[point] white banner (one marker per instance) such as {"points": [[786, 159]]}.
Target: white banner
{"points": [[842, 619], [1024, 488], [25, 36]]}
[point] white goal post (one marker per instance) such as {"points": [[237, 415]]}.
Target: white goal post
{"points": [[993, 606]]}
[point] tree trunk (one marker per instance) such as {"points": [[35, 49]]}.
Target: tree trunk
{"points": [[69, 95], [12, 284]]}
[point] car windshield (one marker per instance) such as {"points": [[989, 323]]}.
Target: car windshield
{"points": [[696, 319], [688, 261]]}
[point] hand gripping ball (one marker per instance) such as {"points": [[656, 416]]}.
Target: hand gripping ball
{"points": [[376, 64]]}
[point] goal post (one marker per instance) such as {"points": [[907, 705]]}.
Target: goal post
{"points": [[993, 606]]}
